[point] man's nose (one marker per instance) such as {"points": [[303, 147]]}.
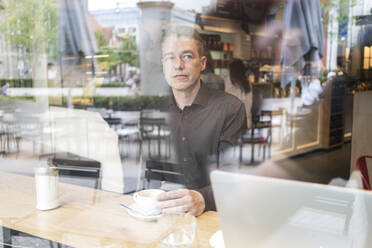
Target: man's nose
{"points": [[178, 63]]}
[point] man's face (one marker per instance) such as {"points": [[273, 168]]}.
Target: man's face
{"points": [[182, 63]]}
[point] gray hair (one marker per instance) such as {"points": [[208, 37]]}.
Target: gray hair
{"points": [[184, 31]]}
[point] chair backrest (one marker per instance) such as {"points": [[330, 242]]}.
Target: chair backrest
{"points": [[148, 125], [361, 165], [164, 171], [74, 165], [113, 122], [266, 113], [128, 118], [102, 111], [263, 121], [277, 116]]}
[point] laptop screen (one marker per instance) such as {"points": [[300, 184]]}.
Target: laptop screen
{"points": [[267, 212]]}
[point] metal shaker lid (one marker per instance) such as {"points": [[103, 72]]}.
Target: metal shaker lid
{"points": [[46, 170]]}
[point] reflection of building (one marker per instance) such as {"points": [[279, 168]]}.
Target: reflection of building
{"points": [[130, 32], [344, 37], [144, 27], [123, 21]]}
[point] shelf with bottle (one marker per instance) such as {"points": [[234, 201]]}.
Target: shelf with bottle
{"points": [[213, 42], [221, 54], [227, 48], [221, 48], [338, 90], [334, 121], [337, 124], [337, 108], [221, 71], [336, 137], [221, 60]]}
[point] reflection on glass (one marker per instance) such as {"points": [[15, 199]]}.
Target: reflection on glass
{"points": [[366, 64], [366, 52], [81, 83]]}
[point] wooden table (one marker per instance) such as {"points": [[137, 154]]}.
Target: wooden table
{"points": [[87, 217]]}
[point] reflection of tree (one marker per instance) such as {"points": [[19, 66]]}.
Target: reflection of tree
{"points": [[32, 25], [100, 39], [111, 57], [342, 8], [128, 52]]}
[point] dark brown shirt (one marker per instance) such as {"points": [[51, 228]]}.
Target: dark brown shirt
{"points": [[199, 132]]}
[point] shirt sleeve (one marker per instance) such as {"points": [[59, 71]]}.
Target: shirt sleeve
{"points": [[207, 194], [235, 124]]}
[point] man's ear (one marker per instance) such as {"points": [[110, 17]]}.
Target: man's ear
{"points": [[203, 61]]}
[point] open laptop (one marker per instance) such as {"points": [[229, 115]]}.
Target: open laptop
{"points": [[262, 212]]}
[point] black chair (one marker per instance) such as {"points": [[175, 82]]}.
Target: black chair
{"points": [[124, 130], [125, 134], [278, 123], [163, 171], [113, 122], [155, 129], [73, 165], [9, 138], [3, 138], [259, 134], [26, 240], [29, 128]]}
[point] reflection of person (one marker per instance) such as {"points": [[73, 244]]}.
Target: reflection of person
{"points": [[137, 83], [239, 86], [4, 89], [131, 80], [204, 121], [208, 77]]}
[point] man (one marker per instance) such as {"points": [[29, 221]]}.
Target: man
{"points": [[203, 121]]}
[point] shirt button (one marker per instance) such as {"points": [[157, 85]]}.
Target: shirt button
{"points": [[183, 138]]}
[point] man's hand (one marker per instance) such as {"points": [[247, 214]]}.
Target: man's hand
{"points": [[182, 201]]}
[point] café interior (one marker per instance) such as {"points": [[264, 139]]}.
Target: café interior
{"points": [[84, 103]]}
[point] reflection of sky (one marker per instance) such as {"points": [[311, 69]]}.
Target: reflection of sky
{"points": [[110, 4]]}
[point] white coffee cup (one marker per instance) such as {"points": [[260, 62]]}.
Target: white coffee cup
{"points": [[146, 201]]}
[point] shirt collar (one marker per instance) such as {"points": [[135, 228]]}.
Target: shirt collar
{"points": [[200, 99], [202, 96]]}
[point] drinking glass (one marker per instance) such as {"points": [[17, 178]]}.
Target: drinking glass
{"points": [[181, 232]]}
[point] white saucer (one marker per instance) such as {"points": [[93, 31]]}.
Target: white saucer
{"points": [[217, 240], [140, 216]]}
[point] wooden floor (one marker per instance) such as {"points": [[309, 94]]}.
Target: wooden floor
{"points": [[322, 166], [319, 166]]}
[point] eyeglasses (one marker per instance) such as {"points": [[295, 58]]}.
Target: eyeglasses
{"points": [[185, 58]]}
